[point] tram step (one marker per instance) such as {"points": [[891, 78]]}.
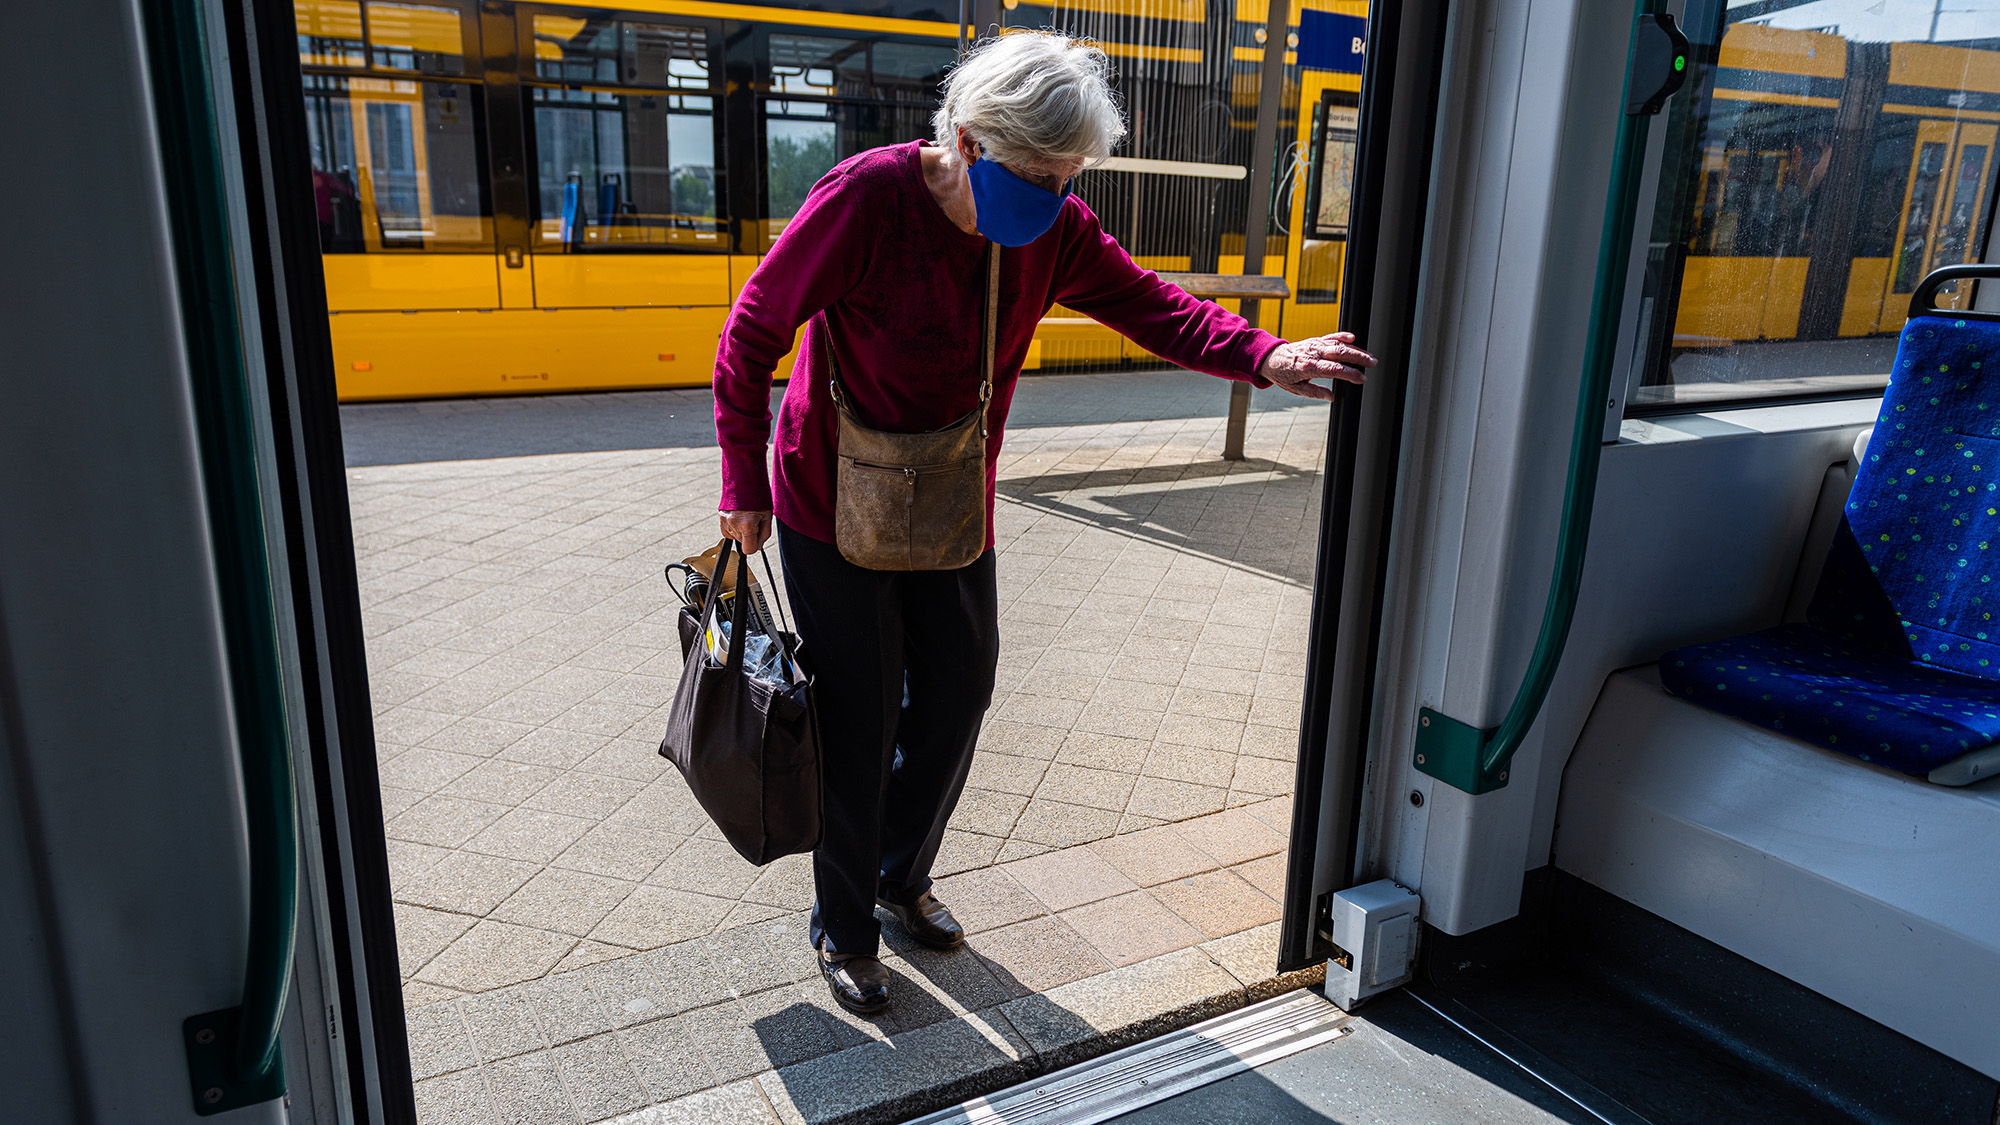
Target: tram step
{"points": [[1120, 1082]]}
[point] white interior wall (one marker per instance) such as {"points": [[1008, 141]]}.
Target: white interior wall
{"points": [[1697, 530], [1697, 534], [120, 733]]}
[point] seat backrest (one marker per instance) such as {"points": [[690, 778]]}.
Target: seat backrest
{"points": [[1925, 509]]}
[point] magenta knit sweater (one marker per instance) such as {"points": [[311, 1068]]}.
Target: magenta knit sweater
{"points": [[900, 286]]}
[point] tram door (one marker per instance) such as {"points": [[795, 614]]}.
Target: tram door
{"points": [[1333, 52], [1322, 211], [1949, 176]]}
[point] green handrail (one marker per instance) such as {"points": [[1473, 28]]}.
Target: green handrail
{"points": [[1476, 760], [1586, 448], [234, 1058]]}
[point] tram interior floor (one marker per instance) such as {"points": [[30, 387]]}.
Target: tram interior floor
{"points": [[579, 945], [1588, 1009], [1405, 1064]]}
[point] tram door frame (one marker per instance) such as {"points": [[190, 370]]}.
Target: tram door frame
{"points": [[365, 1022], [1402, 82], [257, 98]]}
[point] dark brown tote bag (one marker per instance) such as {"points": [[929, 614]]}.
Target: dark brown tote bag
{"points": [[749, 748], [915, 501]]}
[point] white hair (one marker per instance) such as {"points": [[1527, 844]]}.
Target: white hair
{"points": [[1029, 94]]}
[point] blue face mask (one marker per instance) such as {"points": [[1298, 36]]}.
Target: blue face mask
{"points": [[1012, 211]]}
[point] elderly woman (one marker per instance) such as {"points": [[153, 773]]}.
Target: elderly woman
{"points": [[889, 260]]}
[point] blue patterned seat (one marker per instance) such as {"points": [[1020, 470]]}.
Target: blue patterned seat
{"points": [[1814, 684], [1898, 662]]}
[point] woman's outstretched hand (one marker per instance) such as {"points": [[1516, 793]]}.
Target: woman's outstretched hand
{"points": [[1295, 365], [748, 528]]}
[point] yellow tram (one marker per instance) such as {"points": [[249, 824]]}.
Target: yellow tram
{"points": [[520, 197], [540, 197]]}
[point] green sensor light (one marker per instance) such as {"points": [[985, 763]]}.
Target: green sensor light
{"points": [[1658, 65]]}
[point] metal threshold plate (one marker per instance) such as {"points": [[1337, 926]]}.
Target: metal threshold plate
{"points": [[1158, 1069]]}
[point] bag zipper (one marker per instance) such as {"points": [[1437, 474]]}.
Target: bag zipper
{"points": [[914, 470]]}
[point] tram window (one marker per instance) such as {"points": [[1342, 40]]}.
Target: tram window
{"points": [[625, 148], [395, 125], [1813, 176], [829, 98], [1329, 195], [426, 38], [396, 164]]}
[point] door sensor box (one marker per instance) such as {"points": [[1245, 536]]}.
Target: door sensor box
{"points": [[1373, 928]]}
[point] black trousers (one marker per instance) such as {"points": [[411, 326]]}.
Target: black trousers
{"points": [[903, 663]]}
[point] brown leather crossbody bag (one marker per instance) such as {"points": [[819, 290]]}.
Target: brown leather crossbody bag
{"points": [[916, 501]]}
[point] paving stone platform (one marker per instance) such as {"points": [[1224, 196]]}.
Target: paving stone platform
{"points": [[578, 943]]}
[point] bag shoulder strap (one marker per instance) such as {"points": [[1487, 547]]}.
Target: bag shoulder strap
{"points": [[989, 331]]}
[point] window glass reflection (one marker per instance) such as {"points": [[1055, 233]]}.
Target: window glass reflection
{"points": [[1823, 159], [330, 33], [396, 165], [426, 38]]}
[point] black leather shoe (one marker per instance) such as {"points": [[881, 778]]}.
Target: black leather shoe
{"points": [[859, 982], [927, 920]]}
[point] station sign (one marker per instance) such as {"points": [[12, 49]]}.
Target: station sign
{"points": [[1329, 41]]}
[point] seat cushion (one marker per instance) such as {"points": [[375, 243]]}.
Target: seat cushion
{"points": [[1813, 684]]}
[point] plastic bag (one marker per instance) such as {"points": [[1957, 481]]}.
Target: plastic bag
{"points": [[763, 657]]}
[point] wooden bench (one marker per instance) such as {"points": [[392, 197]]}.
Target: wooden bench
{"points": [[1227, 286], [1222, 286]]}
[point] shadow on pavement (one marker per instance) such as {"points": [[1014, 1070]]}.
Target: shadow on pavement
{"points": [[403, 433], [1168, 504], [934, 1054]]}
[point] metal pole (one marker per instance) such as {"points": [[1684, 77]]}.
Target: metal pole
{"points": [[1257, 224]]}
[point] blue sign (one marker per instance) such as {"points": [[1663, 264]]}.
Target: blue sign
{"points": [[1331, 42]]}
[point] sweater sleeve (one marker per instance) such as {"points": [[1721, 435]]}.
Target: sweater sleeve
{"points": [[822, 254], [1101, 281]]}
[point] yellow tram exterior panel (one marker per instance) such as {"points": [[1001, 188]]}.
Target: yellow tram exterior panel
{"points": [[1865, 311], [1811, 54], [446, 322], [1747, 298], [1182, 11], [1311, 263], [796, 17], [509, 351], [1944, 68], [566, 281], [396, 282], [1741, 298], [438, 322]]}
